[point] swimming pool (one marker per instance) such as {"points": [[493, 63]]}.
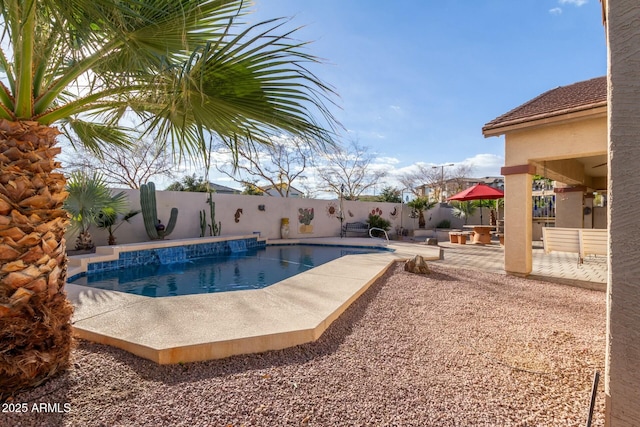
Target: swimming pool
{"points": [[254, 268]]}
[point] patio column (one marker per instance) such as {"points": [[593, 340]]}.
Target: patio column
{"points": [[622, 376], [518, 219]]}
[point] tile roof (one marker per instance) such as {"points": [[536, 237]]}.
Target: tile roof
{"points": [[561, 100]]}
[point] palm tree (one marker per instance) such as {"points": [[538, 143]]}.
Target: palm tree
{"points": [[421, 204], [464, 209], [89, 196], [109, 72]]}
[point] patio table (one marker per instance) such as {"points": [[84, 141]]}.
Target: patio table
{"points": [[481, 233]]}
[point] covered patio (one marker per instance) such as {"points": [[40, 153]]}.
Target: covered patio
{"points": [[560, 135]]}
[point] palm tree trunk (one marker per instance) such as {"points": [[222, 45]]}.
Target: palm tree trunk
{"points": [[35, 315]]}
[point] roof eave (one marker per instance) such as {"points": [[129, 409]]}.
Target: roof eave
{"points": [[586, 111]]}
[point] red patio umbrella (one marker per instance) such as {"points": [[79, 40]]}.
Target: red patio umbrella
{"points": [[479, 191]]}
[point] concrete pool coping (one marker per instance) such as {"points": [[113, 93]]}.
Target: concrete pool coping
{"points": [[200, 327]]}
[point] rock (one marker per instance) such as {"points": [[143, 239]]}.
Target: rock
{"points": [[417, 265], [432, 241]]}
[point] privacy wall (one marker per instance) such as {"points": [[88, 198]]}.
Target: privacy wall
{"points": [[241, 215]]}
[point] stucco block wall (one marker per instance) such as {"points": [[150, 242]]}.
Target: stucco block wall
{"points": [[249, 218], [267, 222], [622, 377]]}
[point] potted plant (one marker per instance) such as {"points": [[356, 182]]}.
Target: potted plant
{"points": [[110, 220], [284, 228]]}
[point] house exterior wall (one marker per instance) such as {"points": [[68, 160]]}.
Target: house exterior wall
{"points": [[578, 138], [622, 376], [569, 210], [582, 138]]}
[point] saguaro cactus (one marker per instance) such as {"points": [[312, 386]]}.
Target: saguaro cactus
{"points": [[150, 213]]}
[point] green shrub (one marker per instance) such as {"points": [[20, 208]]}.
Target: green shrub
{"points": [[376, 221], [445, 223]]}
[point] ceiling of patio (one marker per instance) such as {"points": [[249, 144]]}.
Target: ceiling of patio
{"points": [[590, 171]]}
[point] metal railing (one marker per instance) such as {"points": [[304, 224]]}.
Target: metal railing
{"points": [[379, 229]]}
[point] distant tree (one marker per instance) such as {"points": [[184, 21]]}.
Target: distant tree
{"points": [[390, 195], [436, 179], [456, 180], [251, 189], [124, 166], [423, 175], [278, 164], [349, 171], [190, 183]]}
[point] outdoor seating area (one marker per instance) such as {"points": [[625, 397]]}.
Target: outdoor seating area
{"points": [[354, 227], [459, 236], [580, 241]]}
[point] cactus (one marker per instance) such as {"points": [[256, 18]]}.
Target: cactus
{"points": [[214, 229], [150, 213], [203, 222]]}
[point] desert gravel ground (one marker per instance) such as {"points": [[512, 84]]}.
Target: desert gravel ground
{"points": [[453, 348]]}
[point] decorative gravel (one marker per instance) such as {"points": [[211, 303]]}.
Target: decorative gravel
{"points": [[453, 348]]}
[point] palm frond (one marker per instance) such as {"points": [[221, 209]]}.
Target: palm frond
{"points": [[187, 68], [95, 136], [88, 195]]}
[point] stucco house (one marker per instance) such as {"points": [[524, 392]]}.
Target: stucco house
{"points": [[278, 189], [581, 136], [561, 135]]}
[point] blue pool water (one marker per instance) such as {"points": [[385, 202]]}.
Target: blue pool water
{"points": [[244, 268]]}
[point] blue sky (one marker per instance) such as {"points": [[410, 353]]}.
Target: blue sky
{"points": [[418, 79]]}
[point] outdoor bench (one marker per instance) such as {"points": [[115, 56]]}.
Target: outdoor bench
{"points": [[355, 227], [583, 241]]}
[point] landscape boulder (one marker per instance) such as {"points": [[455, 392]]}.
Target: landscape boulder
{"points": [[417, 265]]}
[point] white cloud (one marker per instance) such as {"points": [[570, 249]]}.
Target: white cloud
{"points": [[574, 2], [485, 164], [387, 160], [555, 11]]}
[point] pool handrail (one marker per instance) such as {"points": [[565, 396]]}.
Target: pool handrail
{"points": [[379, 229]]}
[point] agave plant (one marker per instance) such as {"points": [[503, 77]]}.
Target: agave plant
{"points": [[89, 196]]}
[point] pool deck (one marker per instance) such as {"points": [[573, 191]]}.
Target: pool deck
{"points": [[292, 312], [212, 326]]}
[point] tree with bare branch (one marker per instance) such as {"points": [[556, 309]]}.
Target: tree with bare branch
{"points": [[432, 180], [129, 167], [349, 171], [278, 164]]}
